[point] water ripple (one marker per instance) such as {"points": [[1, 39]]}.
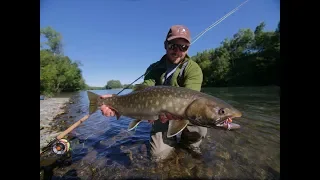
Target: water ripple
{"points": [[103, 148]]}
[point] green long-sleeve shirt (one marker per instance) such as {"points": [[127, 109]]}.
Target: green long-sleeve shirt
{"points": [[192, 76]]}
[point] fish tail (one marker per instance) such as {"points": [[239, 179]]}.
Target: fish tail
{"points": [[93, 102]]}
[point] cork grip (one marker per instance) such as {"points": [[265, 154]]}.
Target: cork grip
{"points": [[72, 127]]}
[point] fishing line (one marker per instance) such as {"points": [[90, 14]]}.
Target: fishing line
{"points": [[196, 38], [61, 146], [218, 21]]}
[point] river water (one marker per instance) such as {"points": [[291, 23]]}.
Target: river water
{"points": [[103, 149]]}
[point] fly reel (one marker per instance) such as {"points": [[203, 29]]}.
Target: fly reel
{"points": [[61, 146]]}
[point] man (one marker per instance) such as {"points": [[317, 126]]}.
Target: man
{"points": [[175, 68]]}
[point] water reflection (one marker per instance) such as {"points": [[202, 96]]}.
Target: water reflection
{"points": [[102, 148]]}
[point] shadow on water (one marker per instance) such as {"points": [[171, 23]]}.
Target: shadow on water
{"points": [[103, 149]]}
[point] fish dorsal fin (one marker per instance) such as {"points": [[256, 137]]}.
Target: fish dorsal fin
{"points": [[176, 126], [134, 124], [139, 87]]}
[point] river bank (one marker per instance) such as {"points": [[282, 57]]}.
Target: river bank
{"points": [[102, 148], [49, 109]]}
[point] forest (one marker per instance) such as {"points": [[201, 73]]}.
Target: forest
{"points": [[249, 58], [57, 72]]}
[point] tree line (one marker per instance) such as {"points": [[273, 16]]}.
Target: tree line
{"points": [[250, 58], [57, 72], [112, 84]]}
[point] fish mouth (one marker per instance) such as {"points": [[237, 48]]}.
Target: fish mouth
{"points": [[226, 122], [221, 121]]}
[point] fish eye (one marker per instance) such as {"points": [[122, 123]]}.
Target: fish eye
{"points": [[221, 111]]}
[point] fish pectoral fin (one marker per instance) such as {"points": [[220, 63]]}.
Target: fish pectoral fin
{"points": [[134, 124], [176, 126]]}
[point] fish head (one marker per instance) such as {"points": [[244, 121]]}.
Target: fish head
{"points": [[210, 112]]}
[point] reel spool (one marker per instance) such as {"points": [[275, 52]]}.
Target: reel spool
{"points": [[61, 146]]}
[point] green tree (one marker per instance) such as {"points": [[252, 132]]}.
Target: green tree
{"points": [[113, 84], [57, 72], [54, 39], [248, 58]]}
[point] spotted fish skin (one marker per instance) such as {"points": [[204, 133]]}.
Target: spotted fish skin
{"points": [[148, 102]]}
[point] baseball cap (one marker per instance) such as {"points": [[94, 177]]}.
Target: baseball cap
{"points": [[179, 31]]}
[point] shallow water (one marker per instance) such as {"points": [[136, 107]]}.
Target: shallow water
{"points": [[103, 149]]}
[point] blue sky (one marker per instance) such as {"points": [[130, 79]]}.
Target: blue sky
{"points": [[119, 39]]}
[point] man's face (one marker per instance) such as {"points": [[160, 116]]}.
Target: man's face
{"points": [[177, 49]]}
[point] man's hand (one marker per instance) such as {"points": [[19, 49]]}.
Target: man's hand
{"points": [[105, 109]]}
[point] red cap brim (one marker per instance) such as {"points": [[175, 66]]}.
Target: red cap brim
{"points": [[176, 37]]}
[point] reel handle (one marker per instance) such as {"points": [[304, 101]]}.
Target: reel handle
{"points": [[58, 138]]}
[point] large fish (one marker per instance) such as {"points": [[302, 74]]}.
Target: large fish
{"points": [[148, 102]]}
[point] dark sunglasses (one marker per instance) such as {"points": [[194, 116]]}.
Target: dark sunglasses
{"points": [[182, 48]]}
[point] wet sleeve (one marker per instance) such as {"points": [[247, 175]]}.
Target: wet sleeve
{"points": [[193, 78]]}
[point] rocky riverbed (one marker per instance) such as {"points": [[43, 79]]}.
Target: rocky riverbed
{"points": [[49, 109]]}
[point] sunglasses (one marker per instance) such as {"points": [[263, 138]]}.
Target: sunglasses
{"points": [[182, 48]]}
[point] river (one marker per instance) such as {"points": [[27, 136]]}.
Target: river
{"points": [[103, 149]]}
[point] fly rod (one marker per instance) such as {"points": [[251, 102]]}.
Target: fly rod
{"points": [[61, 146]]}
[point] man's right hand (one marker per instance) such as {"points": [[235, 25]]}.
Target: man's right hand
{"points": [[105, 109]]}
